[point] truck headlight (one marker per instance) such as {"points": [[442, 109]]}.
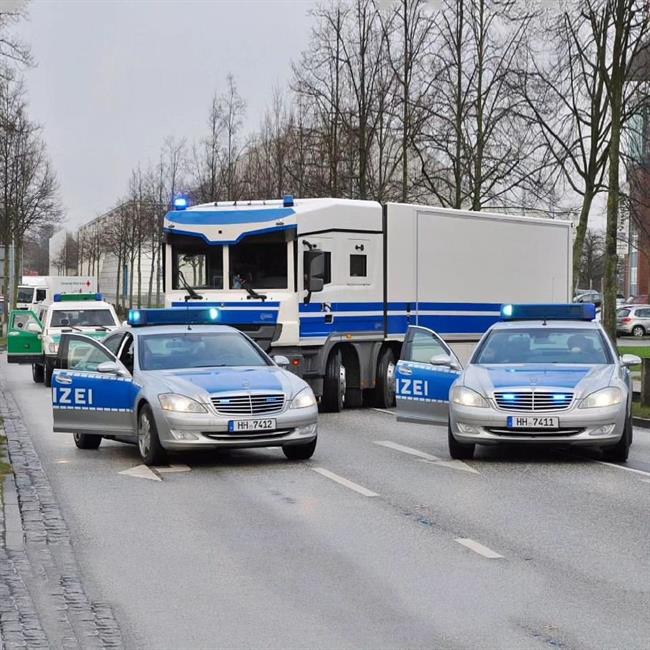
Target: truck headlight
{"points": [[467, 397], [303, 399], [180, 403], [605, 397]]}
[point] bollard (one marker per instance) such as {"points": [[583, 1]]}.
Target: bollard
{"points": [[645, 382]]}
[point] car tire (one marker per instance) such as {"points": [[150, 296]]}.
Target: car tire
{"points": [[385, 381], [300, 452], [87, 441], [638, 331], [458, 450], [151, 451], [334, 385], [620, 451], [38, 373], [47, 375]]}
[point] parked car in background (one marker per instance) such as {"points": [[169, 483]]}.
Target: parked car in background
{"points": [[633, 320], [588, 295]]}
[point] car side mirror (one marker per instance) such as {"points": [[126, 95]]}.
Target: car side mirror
{"points": [[628, 360], [109, 368], [34, 328], [281, 361], [444, 360]]}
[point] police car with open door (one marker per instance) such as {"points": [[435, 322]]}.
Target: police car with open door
{"points": [[544, 374], [176, 380]]}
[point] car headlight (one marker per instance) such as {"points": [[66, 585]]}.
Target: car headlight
{"points": [[303, 399], [604, 397], [50, 345], [467, 397], [180, 403]]}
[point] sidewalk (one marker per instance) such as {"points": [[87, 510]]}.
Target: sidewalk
{"points": [[43, 603]]}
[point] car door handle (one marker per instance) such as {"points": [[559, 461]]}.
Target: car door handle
{"points": [[63, 379], [405, 371]]}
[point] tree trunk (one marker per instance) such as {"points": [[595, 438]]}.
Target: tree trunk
{"points": [[581, 231], [18, 253], [117, 279]]}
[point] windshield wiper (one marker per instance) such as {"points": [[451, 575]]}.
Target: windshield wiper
{"points": [[251, 292], [191, 294]]}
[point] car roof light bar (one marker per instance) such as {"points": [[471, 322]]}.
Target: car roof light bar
{"points": [[173, 316], [572, 311]]}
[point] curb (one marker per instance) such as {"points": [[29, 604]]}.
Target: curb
{"points": [[642, 423]]}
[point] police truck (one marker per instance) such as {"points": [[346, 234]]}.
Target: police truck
{"points": [[333, 284]]}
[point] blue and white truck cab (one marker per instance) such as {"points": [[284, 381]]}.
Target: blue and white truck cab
{"points": [[333, 284]]}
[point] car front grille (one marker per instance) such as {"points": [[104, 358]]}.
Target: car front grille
{"points": [[249, 404], [533, 400]]}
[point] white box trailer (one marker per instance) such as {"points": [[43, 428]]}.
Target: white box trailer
{"points": [[333, 284], [35, 289]]}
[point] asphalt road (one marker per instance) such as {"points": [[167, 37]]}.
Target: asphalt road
{"points": [[515, 549]]}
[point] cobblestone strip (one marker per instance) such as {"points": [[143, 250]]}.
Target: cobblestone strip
{"points": [[43, 603]]}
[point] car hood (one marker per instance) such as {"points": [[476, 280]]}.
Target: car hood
{"points": [[581, 379], [210, 381]]}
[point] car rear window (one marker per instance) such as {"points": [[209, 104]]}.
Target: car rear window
{"points": [[622, 313], [82, 318]]}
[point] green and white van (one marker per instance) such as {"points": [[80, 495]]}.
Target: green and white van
{"points": [[33, 336]]}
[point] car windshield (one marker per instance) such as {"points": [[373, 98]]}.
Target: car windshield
{"points": [[82, 318], [513, 346], [25, 294], [198, 350]]}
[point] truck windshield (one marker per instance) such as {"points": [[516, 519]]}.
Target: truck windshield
{"points": [[82, 318], [25, 294], [200, 266], [543, 346], [198, 350], [260, 262]]}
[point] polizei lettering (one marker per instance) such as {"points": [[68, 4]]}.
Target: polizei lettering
{"points": [[72, 396], [413, 387]]}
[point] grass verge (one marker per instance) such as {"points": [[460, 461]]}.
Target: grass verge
{"points": [[639, 411]]}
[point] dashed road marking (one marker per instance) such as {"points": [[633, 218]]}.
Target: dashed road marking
{"points": [[407, 450], [141, 471], [475, 546], [627, 469], [427, 458], [345, 482]]}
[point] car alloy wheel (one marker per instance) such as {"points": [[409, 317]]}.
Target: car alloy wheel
{"points": [[144, 434]]}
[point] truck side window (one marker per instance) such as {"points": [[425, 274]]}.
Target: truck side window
{"points": [[41, 294], [358, 266], [328, 267]]}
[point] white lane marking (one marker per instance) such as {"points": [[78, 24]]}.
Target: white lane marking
{"points": [[384, 411], [478, 548], [345, 482], [427, 458], [627, 469], [407, 450], [455, 464], [171, 469], [141, 471]]}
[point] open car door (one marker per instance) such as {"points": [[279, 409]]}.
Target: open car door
{"points": [[24, 344], [426, 370], [92, 391]]}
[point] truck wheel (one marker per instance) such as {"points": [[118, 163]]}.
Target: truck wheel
{"points": [[458, 450], [638, 330], [385, 380], [38, 373], [300, 452], [620, 451], [334, 384], [86, 441], [49, 369], [151, 450]]}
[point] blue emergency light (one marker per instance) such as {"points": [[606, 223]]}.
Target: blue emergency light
{"points": [[287, 201], [181, 202], [173, 316], [574, 311]]}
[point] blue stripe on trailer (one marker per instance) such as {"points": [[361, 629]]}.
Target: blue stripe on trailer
{"points": [[451, 324], [341, 325]]}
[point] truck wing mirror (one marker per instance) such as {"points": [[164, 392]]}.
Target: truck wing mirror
{"points": [[314, 266]]}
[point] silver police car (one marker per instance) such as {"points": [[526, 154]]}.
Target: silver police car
{"points": [[179, 387], [545, 374]]}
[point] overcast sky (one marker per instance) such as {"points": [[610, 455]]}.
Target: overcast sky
{"points": [[113, 79]]}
